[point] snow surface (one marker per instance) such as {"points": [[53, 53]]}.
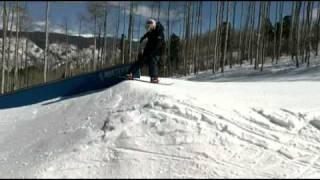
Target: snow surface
{"points": [[243, 124]]}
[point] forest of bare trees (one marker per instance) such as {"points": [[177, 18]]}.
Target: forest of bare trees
{"points": [[238, 32]]}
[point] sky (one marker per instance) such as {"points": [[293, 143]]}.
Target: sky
{"points": [[72, 10]]}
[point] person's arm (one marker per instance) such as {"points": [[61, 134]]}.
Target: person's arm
{"points": [[143, 37]]}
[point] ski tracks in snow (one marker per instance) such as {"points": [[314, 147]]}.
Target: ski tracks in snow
{"points": [[278, 134], [178, 137]]}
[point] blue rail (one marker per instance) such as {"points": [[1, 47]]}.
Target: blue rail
{"points": [[64, 88]]}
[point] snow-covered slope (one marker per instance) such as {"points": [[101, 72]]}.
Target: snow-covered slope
{"points": [[256, 129]]}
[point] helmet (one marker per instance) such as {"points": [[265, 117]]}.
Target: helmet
{"points": [[150, 24]]}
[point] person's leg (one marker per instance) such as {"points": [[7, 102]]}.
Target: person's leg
{"points": [[153, 67]]}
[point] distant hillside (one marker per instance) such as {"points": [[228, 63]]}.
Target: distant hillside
{"points": [[82, 42], [39, 39]]}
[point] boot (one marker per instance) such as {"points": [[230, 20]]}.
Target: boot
{"points": [[154, 80]]}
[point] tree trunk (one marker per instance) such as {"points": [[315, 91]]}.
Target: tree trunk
{"points": [[232, 35], [168, 40], [159, 8], [251, 33], [115, 38], [274, 34], [10, 80], [309, 45], [15, 86], [94, 44], [226, 39], [317, 30], [260, 19], [240, 38], [187, 39], [244, 50], [209, 44], [291, 44], [104, 47], [130, 31], [265, 41], [66, 70], [281, 30], [46, 45], [297, 49], [4, 38]]}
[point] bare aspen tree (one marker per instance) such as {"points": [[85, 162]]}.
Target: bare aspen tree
{"points": [[26, 56], [78, 43], [187, 34], [159, 9], [10, 80], [291, 44], [168, 39], [232, 35], [297, 47], [304, 28], [317, 30], [309, 32], [196, 35], [209, 44], [226, 39], [265, 38], [94, 43], [260, 19], [116, 35], [192, 45], [219, 17], [281, 31], [4, 37], [24, 26], [184, 44], [93, 8], [139, 26], [274, 36], [130, 31], [123, 39], [104, 49], [251, 33], [196, 39], [303, 31], [200, 42], [46, 45], [16, 57], [99, 26], [240, 37], [67, 63], [118, 22], [244, 49], [218, 48]]}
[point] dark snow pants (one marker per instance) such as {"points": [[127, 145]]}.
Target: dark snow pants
{"points": [[151, 61]]}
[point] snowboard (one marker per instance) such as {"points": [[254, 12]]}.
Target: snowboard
{"points": [[160, 83]]}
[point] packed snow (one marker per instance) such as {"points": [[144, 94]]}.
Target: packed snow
{"points": [[240, 124]]}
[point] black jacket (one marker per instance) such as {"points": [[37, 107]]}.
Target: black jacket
{"points": [[156, 41]]}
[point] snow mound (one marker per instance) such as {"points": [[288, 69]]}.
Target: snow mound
{"points": [[188, 129]]}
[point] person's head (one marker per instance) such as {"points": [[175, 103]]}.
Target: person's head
{"points": [[150, 24]]}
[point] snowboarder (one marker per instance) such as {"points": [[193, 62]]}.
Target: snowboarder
{"points": [[152, 52]]}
